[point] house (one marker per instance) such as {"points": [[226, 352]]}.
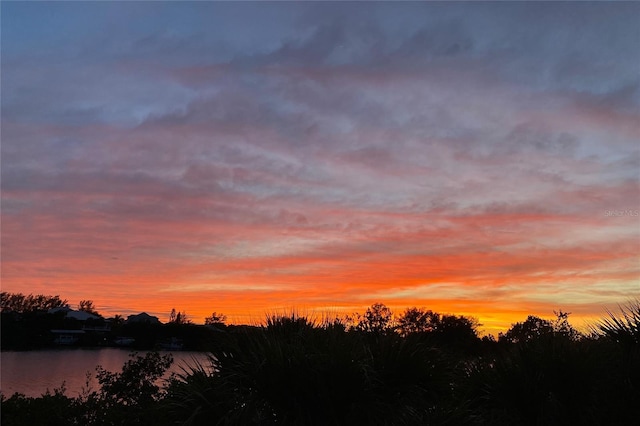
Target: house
{"points": [[124, 341], [77, 315], [81, 315], [143, 318], [67, 337], [83, 328], [172, 344]]}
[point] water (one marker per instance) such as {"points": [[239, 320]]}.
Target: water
{"points": [[33, 372]]}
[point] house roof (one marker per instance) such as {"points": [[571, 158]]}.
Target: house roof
{"points": [[79, 315], [143, 317]]}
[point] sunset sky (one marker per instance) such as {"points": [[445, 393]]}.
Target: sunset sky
{"points": [[479, 159]]}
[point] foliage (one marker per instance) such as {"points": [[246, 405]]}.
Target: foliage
{"points": [[453, 332], [88, 307], [532, 328], [117, 320], [19, 303], [551, 381], [176, 317], [623, 327], [377, 319], [457, 330], [215, 318], [131, 397], [295, 370], [136, 384], [623, 330], [561, 326], [51, 409], [26, 322], [535, 328], [417, 320]]}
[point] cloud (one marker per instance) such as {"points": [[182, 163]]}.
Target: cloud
{"points": [[325, 158]]}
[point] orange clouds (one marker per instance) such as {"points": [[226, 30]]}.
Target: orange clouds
{"points": [[322, 160]]}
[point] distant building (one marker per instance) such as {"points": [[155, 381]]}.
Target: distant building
{"points": [[143, 318], [67, 337], [81, 315], [64, 309], [70, 313], [93, 332]]}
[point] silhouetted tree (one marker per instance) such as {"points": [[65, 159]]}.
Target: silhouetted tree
{"points": [[137, 384], [88, 307], [378, 318], [417, 320], [562, 327], [117, 320], [19, 303], [458, 323], [533, 327], [176, 317], [446, 328], [215, 318]]}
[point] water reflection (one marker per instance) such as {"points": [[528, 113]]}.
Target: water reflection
{"points": [[33, 372]]}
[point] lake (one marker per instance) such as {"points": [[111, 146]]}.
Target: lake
{"points": [[33, 372]]}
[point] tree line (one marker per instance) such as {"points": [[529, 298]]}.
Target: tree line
{"points": [[378, 318]]}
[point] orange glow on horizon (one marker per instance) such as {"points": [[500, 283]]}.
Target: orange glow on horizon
{"points": [[252, 307]]}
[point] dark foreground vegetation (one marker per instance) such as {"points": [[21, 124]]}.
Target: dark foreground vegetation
{"points": [[422, 369]]}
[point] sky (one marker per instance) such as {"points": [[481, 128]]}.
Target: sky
{"points": [[248, 158]]}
